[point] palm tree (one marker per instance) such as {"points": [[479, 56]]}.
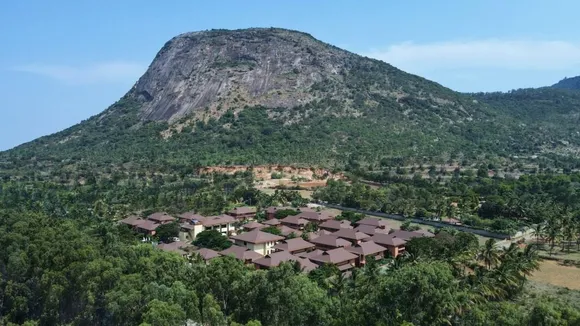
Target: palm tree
{"points": [[530, 259], [510, 253], [489, 254], [553, 231], [520, 266], [568, 231], [483, 286], [538, 232]]}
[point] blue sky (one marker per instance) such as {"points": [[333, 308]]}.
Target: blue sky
{"points": [[63, 61]]}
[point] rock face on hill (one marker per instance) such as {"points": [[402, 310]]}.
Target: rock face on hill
{"points": [[216, 70], [206, 73]]}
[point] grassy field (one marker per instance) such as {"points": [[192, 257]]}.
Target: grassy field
{"points": [[304, 193], [557, 253], [554, 273]]}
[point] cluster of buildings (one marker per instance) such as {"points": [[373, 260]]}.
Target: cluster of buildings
{"points": [[335, 242]]}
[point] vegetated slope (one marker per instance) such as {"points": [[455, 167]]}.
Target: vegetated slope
{"points": [[549, 115], [568, 83], [275, 96]]}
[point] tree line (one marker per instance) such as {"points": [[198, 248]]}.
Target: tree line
{"points": [[497, 204]]}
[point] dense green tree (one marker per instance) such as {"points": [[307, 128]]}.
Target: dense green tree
{"points": [[272, 230], [280, 214], [212, 239], [163, 314], [168, 231]]}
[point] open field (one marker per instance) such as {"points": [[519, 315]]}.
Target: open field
{"points": [[552, 272], [557, 253], [304, 193]]}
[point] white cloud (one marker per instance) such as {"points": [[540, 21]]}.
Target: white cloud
{"points": [[490, 53], [105, 72]]}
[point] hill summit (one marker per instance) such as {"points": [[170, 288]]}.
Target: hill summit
{"points": [[206, 73], [276, 96], [568, 83], [212, 71]]}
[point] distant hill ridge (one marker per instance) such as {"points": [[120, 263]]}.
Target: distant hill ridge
{"points": [[568, 83]]}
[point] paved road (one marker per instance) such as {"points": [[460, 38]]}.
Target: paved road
{"points": [[504, 244]]}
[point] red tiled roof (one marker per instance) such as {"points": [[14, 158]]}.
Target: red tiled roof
{"points": [[217, 220], [241, 253], [370, 230], [148, 225], [314, 235], [366, 248], [191, 216], [207, 254], [286, 231], [316, 216], [253, 225], [387, 240], [160, 217], [376, 222], [313, 253], [307, 265], [334, 256], [295, 220], [336, 225], [272, 222], [294, 244], [350, 234], [132, 220], [331, 241], [257, 236], [274, 259]]}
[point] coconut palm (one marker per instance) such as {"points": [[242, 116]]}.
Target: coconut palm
{"points": [[483, 285], [531, 260], [553, 232], [489, 253], [510, 252], [538, 232], [568, 232]]}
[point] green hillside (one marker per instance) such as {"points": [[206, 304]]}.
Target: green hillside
{"points": [[568, 83], [357, 112]]}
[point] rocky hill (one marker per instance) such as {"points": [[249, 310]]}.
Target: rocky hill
{"points": [[209, 72], [275, 96], [204, 74]]}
